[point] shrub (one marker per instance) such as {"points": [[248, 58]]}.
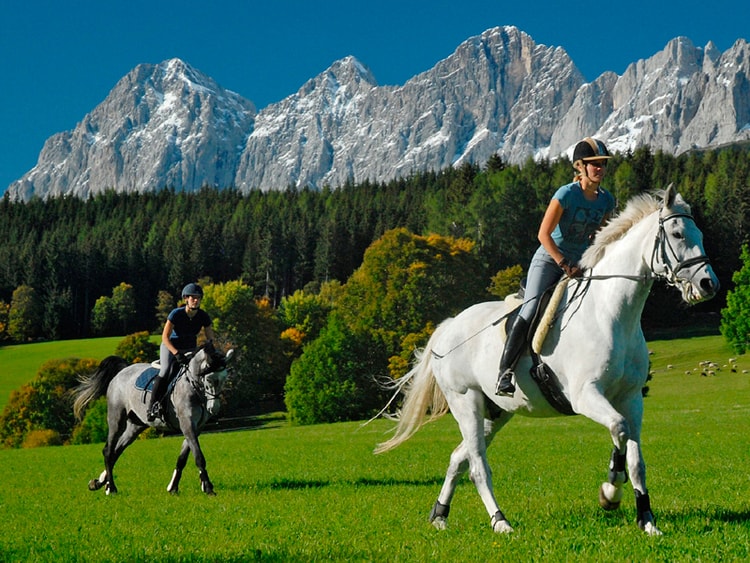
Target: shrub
{"points": [[93, 428], [45, 403], [42, 438], [137, 347], [735, 317]]}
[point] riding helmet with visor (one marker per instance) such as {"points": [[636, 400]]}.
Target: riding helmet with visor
{"points": [[590, 149], [192, 289]]}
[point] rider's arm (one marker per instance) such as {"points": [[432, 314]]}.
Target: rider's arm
{"points": [[165, 334], [551, 218]]}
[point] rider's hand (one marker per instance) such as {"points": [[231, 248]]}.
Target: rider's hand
{"points": [[571, 270], [181, 359]]}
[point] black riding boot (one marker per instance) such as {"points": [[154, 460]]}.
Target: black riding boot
{"points": [[515, 341], [154, 410]]}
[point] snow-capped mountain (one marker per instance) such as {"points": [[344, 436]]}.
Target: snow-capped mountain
{"points": [[161, 125], [499, 92]]}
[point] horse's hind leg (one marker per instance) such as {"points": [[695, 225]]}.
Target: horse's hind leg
{"points": [[471, 454], [122, 433]]}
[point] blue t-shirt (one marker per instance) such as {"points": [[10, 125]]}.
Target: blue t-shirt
{"points": [[580, 219], [184, 329]]}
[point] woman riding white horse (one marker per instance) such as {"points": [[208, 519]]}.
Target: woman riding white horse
{"points": [[573, 215], [595, 355]]}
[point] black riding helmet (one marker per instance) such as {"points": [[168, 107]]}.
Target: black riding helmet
{"points": [[590, 149], [192, 289]]}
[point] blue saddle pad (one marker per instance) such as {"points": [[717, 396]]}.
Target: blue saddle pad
{"points": [[145, 380]]}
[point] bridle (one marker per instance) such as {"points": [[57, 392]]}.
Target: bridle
{"points": [[659, 257], [662, 250], [198, 381]]}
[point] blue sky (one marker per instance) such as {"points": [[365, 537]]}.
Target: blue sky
{"points": [[59, 59]]}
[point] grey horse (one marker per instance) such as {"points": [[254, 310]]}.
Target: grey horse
{"points": [[192, 398]]}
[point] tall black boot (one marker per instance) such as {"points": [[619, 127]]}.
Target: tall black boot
{"points": [[515, 342], [154, 401]]}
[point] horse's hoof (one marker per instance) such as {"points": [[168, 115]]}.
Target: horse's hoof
{"points": [[440, 523], [651, 529], [500, 524], [95, 485], [502, 527], [605, 502]]}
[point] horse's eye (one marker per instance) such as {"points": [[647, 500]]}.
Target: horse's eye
{"points": [[678, 235]]}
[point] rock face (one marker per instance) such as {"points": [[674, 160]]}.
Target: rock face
{"points": [[168, 125], [162, 125]]}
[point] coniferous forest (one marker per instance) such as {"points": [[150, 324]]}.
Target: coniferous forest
{"points": [[73, 251]]}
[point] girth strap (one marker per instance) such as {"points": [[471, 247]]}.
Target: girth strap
{"points": [[550, 386]]}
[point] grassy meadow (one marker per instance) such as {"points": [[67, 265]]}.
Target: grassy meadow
{"points": [[318, 493]]}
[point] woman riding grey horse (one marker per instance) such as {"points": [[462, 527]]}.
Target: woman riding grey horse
{"points": [[179, 335], [193, 400]]}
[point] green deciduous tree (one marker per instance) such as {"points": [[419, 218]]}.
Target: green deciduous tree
{"points": [[25, 314], [112, 315], [252, 327], [335, 379], [137, 348], [506, 281], [735, 318], [406, 284]]}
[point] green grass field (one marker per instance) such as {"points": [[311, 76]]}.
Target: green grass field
{"points": [[318, 493]]}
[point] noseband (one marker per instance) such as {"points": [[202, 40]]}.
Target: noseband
{"points": [[662, 250]]}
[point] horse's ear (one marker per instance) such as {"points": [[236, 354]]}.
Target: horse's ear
{"points": [[669, 196]]}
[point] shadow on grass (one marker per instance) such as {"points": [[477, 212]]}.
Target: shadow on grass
{"points": [[709, 514], [296, 484]]}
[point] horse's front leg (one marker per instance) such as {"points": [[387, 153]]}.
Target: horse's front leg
{"points": [[174, 484], [190, 432], [610, 492], [637, 468], [625, 432]]}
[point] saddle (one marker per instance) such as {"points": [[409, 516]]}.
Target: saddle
{"points": [[544, 316], [542, 321], [145, 380]]}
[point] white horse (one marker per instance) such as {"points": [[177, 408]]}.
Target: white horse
{"points": [[595, 353]]}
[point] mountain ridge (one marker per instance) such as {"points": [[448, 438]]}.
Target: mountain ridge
{"points": [[169, 125]]}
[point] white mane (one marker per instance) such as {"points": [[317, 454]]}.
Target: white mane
{"points": [[637, 209]]}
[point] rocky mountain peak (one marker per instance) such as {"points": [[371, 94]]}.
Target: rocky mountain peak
{"points": [[169, 125]]}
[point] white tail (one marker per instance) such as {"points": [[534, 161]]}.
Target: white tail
{"points": [[422, 395]]}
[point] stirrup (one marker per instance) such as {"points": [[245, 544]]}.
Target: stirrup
{"points": [[505, 385], [156, 411]]}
